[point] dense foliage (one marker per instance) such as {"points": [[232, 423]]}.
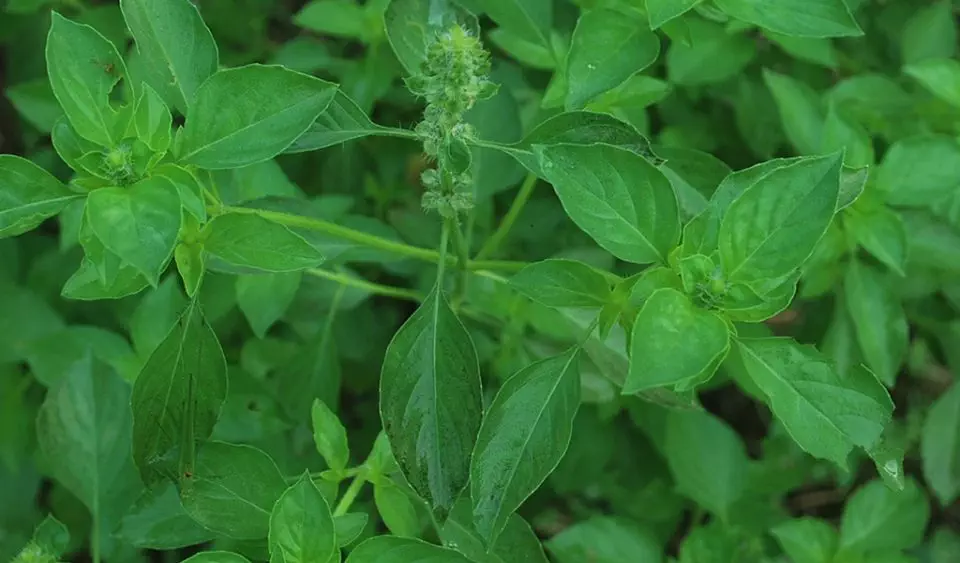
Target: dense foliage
{"points": [[489, 281]]}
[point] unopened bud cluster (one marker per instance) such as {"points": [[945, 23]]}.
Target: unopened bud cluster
{"points": [[452, 78]]}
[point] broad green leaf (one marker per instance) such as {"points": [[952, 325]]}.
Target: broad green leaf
{"points": [[608, 47], [349, 526], [674, 341], [604, 539], [52, 536], [563, 283], [85, 284], [51, 355], [803, 18], [188, 186], [773, 226], [177, 397], [842, 133], [264, 298], [525, 432], [330, 436], [314, 373], [617, 197], [758, 302], [216, 557], [175, 43], [825, 412], [152, 120], [232, 490], [28, 195], [918, 171], [138, 223], [251, 241], [396, 509], [301, 527], [343, 18], [155, 315], [412, 25], [713, 56], [429, 365], [878, 318], [800, 111], [83, 434], [878, 519], [156, 520], [707, 460], [694, 176], [84, 67], [530, 19], [940, 446], [190, 265], [940, 76], [391, 549], [35, 102], [342, 121], [930, 33], [516, 544], [250, 114], [811, 49], [531, 54], [660, 12], [807, 540]]}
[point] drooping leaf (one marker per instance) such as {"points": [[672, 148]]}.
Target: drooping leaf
{"points": [[878, 318], [28, 195], [430, 365], [250, 114], [232, 490], [175, 43], [617, 197], [301, 526], [940, 446], [826, 413], [342, 121], [524, 434], [177, 397]]}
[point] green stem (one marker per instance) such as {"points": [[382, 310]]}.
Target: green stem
{"points": [[359, 283], [463, 258], [523, 196], [442, 256], [350, 495], [366, 239]]}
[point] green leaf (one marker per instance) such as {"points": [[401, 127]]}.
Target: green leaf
{"points": [[86, 285], [618, 198], [301, 527], [250, 114], [940, 446], [157, 521], [800, 111], [603, 539], [707, 460], [773, 226], [563, 283], [516, 544], [940, 76], [50, 356], [28, 195], [825, 412], [811, 49], [878, 519], [155, 315], [674, 341], [190, 265], [35, 102], [138, 223], [525, 432], [660, 12], [342, 18], [52, 536], [807, 540], [188, 186], [349, 526], [152, 120], [713, 56], [342, 121], [429, 365], [530, 19], [264, 298], [330, 436], [396, 509], [232, 490], [529, 53], [251, 241], [841, 133], [391, 549], [83, 434], [879, 320], [930, 33], [84, 67], [803, 18], [412, 25], [216, 557], [607, 47], [177, 396], [918, 171], [175, 44]]}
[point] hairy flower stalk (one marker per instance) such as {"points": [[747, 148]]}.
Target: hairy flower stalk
{"points": [[452, 78]]}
